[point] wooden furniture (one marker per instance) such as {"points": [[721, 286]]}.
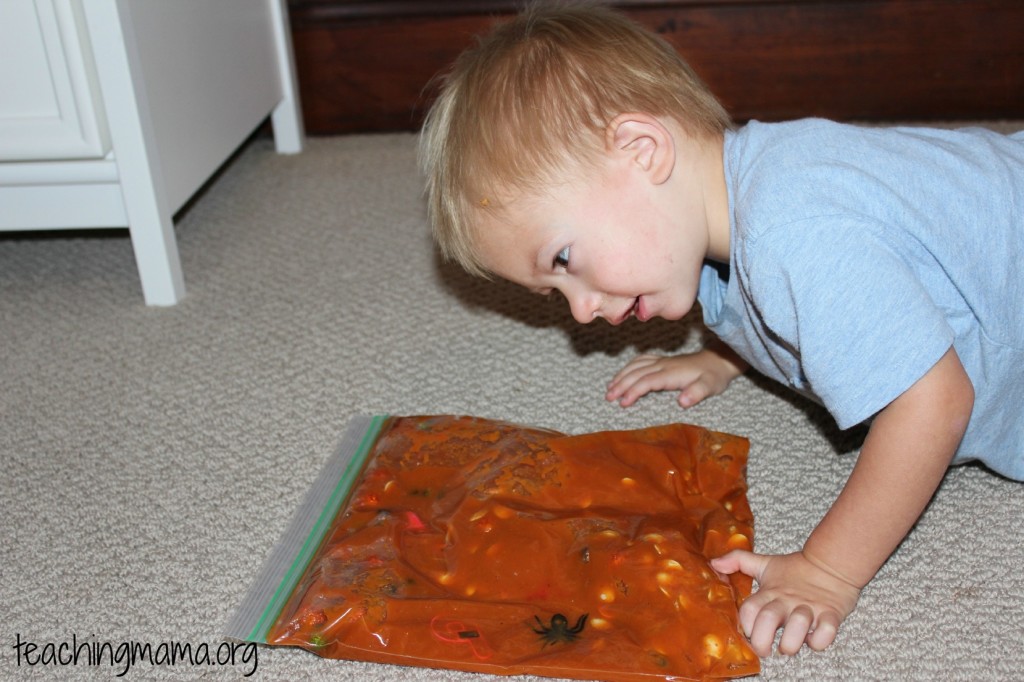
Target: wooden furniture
{"points": [[114, 112], [363, 64]]}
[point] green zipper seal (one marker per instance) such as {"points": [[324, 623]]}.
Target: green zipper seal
{"points": [[288, 561]]}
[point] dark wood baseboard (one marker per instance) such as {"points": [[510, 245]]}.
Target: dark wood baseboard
{"points": [[364, 65]]}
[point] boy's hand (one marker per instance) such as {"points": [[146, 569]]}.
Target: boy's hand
{"points": [[695, 375], [794, 594]]}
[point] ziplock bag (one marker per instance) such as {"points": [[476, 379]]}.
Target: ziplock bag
{"points": [[479, 545]]}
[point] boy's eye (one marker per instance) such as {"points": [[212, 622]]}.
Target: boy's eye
{"points": [[562, 259]]}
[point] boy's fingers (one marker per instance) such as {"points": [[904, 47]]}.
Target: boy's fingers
{"points": [[725, 564], [639, 383], [638, 361], [798, 624], [626, 400], [753, 565], [627, 378], [693, 394], [768, 621], [825, 631], [743, 561], [628, 391], [750, 610]]}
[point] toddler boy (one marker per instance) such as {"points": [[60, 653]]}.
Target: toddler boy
{"points": [[869, 269]]}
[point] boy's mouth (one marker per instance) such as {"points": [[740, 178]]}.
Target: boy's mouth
{"points": [[633, 310]]}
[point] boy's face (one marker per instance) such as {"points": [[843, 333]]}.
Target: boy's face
{"points": [[613, 243]]}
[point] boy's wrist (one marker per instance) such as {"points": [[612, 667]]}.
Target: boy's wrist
{"points": [[818, 559], [732, 363]]}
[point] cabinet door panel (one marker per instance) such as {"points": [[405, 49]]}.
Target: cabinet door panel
{"points": [[50, 108]]}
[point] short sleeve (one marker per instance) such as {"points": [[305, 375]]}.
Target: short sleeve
{"points": [[852, 312]]}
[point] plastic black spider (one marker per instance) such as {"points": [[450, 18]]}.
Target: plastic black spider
{"points": [[558, 630]]}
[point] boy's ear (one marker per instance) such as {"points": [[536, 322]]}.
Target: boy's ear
{"points": [[645, 141]]}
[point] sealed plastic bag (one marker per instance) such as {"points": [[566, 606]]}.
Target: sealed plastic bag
{"points": [[465, 543]]}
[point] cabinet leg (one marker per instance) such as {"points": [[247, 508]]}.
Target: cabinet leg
{"points": [[287, 115], [156, 255], [131, 133]]}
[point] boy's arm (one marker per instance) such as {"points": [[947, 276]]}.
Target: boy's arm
{"points": [[902, 462]]}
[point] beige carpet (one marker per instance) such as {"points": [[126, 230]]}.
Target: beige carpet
{"points": [[152, 457]]}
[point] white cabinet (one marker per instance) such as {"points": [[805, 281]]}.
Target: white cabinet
{"points": [[114, 112]]}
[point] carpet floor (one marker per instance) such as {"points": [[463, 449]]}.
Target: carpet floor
{"points": [[153, 456]]}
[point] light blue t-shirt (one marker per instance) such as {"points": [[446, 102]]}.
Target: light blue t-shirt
{"points": [[860, 255]]}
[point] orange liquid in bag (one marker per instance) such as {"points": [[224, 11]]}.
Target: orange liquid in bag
{"points": [[485, 546]]}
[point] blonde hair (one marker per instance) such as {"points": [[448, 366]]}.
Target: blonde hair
{"points": [[533, 98]]}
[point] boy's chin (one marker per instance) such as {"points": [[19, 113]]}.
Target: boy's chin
{"points": [[671, 315]]}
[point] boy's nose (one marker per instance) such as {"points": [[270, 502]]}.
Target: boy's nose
{"points": [[585, 306]]}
